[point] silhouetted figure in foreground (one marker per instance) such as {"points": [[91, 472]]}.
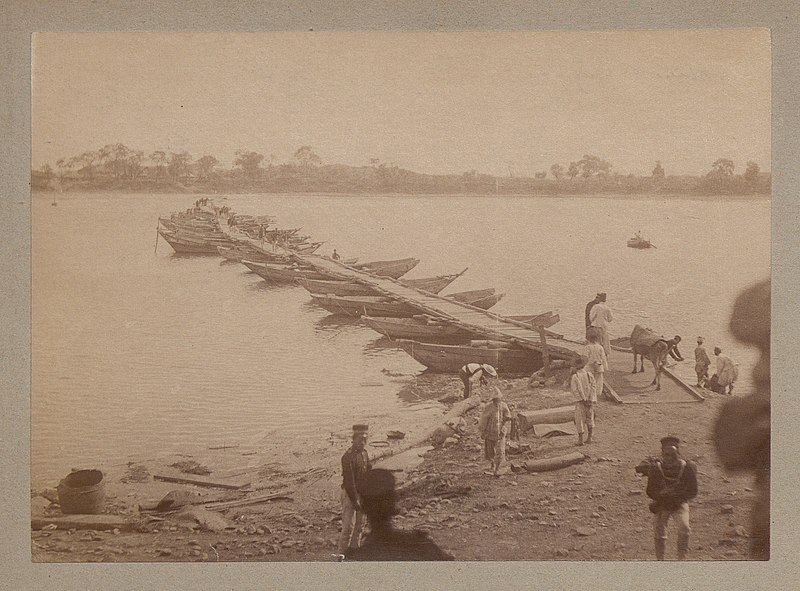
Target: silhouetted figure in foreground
{"points": [[742, 431], [384, 542]]}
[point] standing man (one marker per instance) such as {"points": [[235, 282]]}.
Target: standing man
{"points": [[493, 426], [701, 362], [597, 299], [726, 371], [596, 363], [355, 463], [671, 483], [582, 386], [475, 372], [600, 317]]}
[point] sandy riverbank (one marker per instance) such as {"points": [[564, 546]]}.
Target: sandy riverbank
{"points": [[594, 510]]}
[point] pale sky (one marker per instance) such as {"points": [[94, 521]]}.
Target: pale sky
{"points": [[431, 102]]}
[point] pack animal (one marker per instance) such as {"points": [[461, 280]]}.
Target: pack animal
{"points": [[645, 345]]}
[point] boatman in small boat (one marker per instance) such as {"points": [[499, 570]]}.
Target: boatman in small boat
{"points": [[475, 372], [600, 317], [355, 463], [335, 256]]}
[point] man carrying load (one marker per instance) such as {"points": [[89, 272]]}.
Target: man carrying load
{"points": [[475, 372]]}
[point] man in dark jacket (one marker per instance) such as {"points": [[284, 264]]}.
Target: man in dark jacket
{"points": [[671, 483], [384, 542], [355, 463]]}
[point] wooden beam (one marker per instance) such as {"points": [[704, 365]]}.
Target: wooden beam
{"points": [[199, 482]]}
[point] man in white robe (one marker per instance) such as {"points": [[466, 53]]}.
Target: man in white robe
{"points": [[600, 316]]}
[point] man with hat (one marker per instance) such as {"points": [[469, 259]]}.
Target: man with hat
{"points": [[472, 372], [671, 483], [355, 463], [600, 317], [701, 362], [493, 426]]}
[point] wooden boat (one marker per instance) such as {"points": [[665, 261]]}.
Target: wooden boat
{"points": [[394, 269], [307, 248], [384, 306], [282, 273], [426, 328], [418, 327], [443, 358], [348, 288], [183, 246], [638, 242], [240, 253]]}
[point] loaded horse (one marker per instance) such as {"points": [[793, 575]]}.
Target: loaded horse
{"points": [[644, 343]]}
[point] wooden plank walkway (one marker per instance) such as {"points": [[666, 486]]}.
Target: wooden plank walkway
{"points": [[623, 386]]}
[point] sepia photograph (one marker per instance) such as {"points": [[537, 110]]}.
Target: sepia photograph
{"points": [[400, 296]]}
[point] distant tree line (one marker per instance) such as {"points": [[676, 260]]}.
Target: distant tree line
{"points": [[117, 167]]}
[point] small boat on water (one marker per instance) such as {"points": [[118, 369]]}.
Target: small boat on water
{"points": [[638, 242], [394, 269], [442, 358], [348, 288], [283, 273], [384, 306]]}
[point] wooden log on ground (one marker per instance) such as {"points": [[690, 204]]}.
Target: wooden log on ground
{"points": [[97, 522], [219, 506], [199, 482], [459, 408], [528, 418], [550, 464]]}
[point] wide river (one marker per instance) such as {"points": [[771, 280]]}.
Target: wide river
{"points": [[137, 353]]}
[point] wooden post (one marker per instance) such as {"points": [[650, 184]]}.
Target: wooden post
{"points": [[545, 353], [540, 323]]}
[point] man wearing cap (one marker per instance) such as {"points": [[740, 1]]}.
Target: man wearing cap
{"points": [[493, 426], [384, 542], [472, 372], [701, 362], [355, 463], [600, 317], [596, 363], [671, 483]]}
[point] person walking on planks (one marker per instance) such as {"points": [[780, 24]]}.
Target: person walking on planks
{"points": [[493, 426], [701, 362], [597, 363], [472, 372], [671, 483], [355, 463], [600, 317], [584, 391]]}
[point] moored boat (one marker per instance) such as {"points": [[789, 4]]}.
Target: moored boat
{"points": [[384, 306], [418, 327], [442, 358], [282, 273], [394, 269], [185, 246], [638, 242], [348, 288]]}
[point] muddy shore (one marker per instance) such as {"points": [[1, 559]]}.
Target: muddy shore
{"points": [[595, 510]]}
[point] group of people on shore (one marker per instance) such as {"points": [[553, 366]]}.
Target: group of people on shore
{"points": [[671, 480]]}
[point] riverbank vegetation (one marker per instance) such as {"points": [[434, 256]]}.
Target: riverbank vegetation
{"points": [[116, 167]]}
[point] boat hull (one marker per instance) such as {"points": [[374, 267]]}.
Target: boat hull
{"points": [[393, 269], [441, 358], [189, 247], [280, 274], [347, 288], [424, 328]]}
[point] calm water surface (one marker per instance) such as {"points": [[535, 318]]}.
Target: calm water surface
{"points": [[137, 353]]}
